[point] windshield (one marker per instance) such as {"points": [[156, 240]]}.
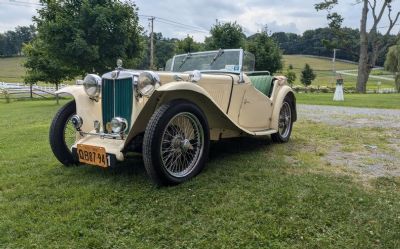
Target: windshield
{"points": [[221, 60]]}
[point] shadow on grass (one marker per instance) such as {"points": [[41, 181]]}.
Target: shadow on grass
{"points": [[236, 146], [133, 167]]}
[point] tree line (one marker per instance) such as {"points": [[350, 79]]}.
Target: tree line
{"points": [[322, 41], [11, 41]]}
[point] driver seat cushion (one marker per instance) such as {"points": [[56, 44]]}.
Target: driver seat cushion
{"points": [[263, 83]]}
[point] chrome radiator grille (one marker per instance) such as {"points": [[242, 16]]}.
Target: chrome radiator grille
{"points": [[117, 97]]}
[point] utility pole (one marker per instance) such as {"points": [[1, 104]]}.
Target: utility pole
{"points": [[151, 19]]}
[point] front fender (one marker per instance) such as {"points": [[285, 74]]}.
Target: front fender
{"points": [[88, 109], [217, 119]]}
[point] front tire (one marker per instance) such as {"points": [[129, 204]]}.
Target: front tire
{"points": [[62, 134], [176, 143], [285, 123]]}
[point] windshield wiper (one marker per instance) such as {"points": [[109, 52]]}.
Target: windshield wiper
{"points": [[184, 60], [220, 52]]}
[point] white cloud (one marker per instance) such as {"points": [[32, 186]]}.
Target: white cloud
{"points": [[12, 16]]}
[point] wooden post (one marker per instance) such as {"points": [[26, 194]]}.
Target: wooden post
{"points": [[57, 99]]}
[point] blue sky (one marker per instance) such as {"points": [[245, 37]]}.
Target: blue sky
{"points": [[198, 16]]}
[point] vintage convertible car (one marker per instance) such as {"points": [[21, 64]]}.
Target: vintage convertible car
{"points": [[171, 116]]}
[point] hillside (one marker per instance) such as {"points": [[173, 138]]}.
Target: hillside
{"points": [[323, 68], [11, 70]]}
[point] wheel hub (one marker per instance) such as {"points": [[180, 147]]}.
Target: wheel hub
{"points": [[185, 145]]}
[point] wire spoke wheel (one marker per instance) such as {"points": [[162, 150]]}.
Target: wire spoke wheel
{"points": [[285, 120], [69, 134], [182, 144], [62, 134]]}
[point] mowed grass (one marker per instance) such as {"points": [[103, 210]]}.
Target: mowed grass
{"points": [[323, 69], [12, 70], [249, 196], [390, 101]]}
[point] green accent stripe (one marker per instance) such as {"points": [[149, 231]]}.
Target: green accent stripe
{"points": [[123, 99]]}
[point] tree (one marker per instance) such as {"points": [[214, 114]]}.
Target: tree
{"points": [[86, 36], [225, 36], [187, 45], [372, 43], [266, 51], [392, 64], [307, 75], [290, 75], [43, 67]]}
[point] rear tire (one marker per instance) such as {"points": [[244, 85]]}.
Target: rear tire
{"points": [[176, 143], [59, 143], [285, 122]]}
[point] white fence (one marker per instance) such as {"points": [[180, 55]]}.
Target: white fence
{"points": [[21, 91]]}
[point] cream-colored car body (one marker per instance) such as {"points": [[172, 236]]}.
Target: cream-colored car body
{"points": [[233, 107]]}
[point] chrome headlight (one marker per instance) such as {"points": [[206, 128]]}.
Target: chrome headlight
{"points": [[119, 125], [77, 122], [148, 82], [92, 85]]}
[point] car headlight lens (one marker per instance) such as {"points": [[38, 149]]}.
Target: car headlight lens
{"points": [[119, 125], [148, 82], [92, 85], [77, 122]]}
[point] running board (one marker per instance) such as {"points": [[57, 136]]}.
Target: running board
{"points": [[265, 132]]}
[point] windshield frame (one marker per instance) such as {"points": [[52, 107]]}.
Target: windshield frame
{"points": [[241, 57]]}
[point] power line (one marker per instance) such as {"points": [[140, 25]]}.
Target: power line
{"points": [[176, 24], [21, 3], [190, 26]]}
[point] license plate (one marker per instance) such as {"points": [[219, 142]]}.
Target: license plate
{"points": [[92, 155]]}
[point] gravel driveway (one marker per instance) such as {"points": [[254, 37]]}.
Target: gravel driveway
{"points": [[350, 116], [373, 161]]}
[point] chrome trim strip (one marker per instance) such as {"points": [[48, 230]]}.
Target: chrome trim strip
{"points": [[104, 135], [124, 74]]}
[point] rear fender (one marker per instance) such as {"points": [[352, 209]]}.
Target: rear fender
{"points": [[86, 108], [278, 101]]}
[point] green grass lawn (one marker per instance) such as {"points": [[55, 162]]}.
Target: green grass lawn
{"points": [[390, 101], [252, 194], [323, 69]]}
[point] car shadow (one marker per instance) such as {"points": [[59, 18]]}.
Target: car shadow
{"points": [[233, 146], [133, 166]]}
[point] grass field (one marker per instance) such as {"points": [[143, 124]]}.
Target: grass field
{"points": [[12, 70], [390, 101], [252, 194], [323, 69]]}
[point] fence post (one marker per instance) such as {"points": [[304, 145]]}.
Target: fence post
{"points": [[58, 102], [30, 90]]}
